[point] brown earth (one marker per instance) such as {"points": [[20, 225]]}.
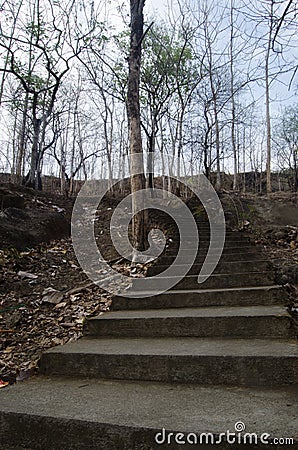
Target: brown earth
{"points": [[44, 294], [28, 218], [273, 223]]}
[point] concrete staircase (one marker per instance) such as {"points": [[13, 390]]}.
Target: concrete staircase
{"points": [[196, 359]]}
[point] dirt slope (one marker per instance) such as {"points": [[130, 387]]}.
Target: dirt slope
{"points": [[28, 218]]}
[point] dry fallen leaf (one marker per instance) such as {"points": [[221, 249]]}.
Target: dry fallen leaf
{"points": [[60, 305], [28, 275], [9, 350]]}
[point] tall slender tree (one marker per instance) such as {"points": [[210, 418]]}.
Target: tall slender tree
{"points": [[137, 175]]}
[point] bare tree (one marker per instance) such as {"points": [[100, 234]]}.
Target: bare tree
{"points": [[39, 57], [286, 144], [267, 94], [137, 177], [233, 105], [267, 15]]}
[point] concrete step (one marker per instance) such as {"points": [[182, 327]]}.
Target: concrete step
{"points": [[242, 362], [205, 231], [261, 295], [222, 267], [205, 244], [232, 322], [172, 248], [205, 241], [222, 280], [202, 251], [88, 414], [250, 254], [205, 235], [201, 225], [114, 393], [213, 282]]}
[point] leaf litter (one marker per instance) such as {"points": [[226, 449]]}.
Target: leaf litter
{"points": [[45, 298]]}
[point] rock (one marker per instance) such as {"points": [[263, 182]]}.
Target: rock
{"points": [[10, 199], [51, 295], [280, 235], [286, 273], [13, 319], [59, 210]]}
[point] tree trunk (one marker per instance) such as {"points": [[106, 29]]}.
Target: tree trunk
{"points": [[22, 138], [233, 138], [163, 165], [268, 130], [295, 154], [31, 178], [150, 171], [137, 176], [267, 93], [244, 161], [217, 143], [150, 157], [180, 147]]}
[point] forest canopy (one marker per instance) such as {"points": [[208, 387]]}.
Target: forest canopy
{"points": [[218, 90]]}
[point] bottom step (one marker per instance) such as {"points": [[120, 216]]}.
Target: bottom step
{"points": [[81, 414]]}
